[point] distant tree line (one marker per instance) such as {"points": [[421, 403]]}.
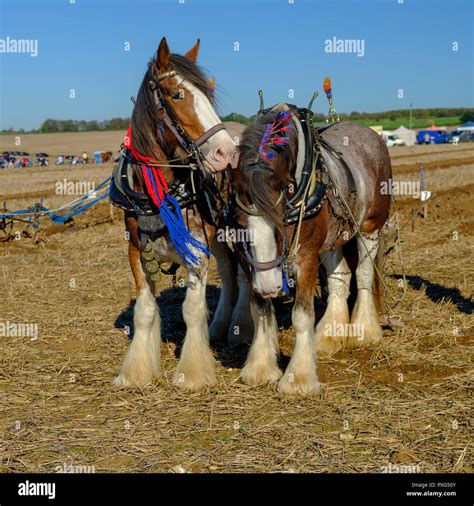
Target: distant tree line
{"points": [[70, 125], [240, 118], [463, 114], [440, 112]]}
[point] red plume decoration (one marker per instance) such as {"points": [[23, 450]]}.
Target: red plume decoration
{"points": [[270, 137]]}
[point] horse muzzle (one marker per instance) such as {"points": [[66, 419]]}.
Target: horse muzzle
{"points": [[269, 294], [267, 284]]}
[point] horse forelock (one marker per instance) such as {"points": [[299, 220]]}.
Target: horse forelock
{"points": [[264, 177], [149, 134]]}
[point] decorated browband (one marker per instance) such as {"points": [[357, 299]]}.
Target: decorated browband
{"points": [[271, 137]]}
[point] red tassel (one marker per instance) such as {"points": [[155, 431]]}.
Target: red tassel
{"points": [[155, 181]]}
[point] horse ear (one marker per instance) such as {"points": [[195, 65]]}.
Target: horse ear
{"points": [[163, 55], [192, 54]]}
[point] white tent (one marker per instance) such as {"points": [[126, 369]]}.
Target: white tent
{"points": [[409, 136], [466, 127]]}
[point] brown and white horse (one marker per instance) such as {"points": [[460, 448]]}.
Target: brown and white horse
{"points": [[185, 110], [262, 192]]}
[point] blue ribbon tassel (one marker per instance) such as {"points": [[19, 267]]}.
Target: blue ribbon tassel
{"points": [[179, 234]]}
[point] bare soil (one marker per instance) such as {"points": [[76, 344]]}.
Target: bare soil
{"points": [[405, 401]]}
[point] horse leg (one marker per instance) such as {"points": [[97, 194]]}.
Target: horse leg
{"points": [[331, 329], [379, 295], [241, 328], [261, 366], [300, 376], [364, 315], [223, 314], [195, 368], [142, 361]]}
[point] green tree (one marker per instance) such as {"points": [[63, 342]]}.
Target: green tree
{"points": [[467, 116], [92, 126], [50, 126], [239, 118]]}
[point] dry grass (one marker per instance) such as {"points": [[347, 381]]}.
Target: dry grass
{"points": [[73, 143], [405, 401]]}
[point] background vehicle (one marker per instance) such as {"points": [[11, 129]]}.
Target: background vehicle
{"points": [[432, 137], [392, 139]]}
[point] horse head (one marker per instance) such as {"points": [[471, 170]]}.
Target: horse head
{"points": [[262, 178], [175, 102]]}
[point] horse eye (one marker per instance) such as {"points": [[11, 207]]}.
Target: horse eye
{"points": [[178, 95]]}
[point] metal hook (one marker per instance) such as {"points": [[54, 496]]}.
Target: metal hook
{"points": [[313, 98], [262, 106]]}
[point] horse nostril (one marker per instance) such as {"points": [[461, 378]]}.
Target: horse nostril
{"points": [[223, 154], [220, 155]]}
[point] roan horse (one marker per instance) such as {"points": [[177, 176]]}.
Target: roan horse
{"points": [[350, 206], [178, 141]]}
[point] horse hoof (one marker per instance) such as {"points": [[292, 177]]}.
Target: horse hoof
{"points": [[218, 330], [188, 383], [243, 337], [122, 382], [363, 340], [260, 375], [299, 384], [328, 344], [240, 330]]}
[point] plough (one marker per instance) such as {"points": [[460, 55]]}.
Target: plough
{"points": [[63, 216]]}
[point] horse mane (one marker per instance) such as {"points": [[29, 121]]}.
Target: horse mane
{"points": [[147, 129], [260, 184]]}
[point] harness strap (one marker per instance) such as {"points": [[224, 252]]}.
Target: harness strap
{"points": [[167, 116], [251, 211], [264, 266], [184, 143], [208, 134]]}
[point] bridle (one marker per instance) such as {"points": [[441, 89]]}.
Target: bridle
{"points": [[269, 264], [168, 116], [242, 248], [306, 202], [192, 188], [253, 167]]}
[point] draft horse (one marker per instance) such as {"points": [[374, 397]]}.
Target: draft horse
{"points": [[168, 182], [302, 194]]}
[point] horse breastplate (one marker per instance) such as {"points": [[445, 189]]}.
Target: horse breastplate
{"points": [[148, 217], [123, 195]]}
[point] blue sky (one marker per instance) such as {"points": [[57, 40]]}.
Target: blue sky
{"points": [[408, 45]]}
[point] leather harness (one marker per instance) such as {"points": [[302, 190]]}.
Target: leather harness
{"points": [[194, 189], [311, 192]]}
